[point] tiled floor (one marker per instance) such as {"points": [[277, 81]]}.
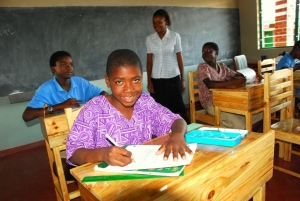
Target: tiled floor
{"points": [[25, 176]]}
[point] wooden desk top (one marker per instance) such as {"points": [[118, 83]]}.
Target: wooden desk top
{"points": [[236, 174], [242, 89]]}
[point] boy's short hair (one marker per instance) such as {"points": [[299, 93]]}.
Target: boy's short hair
{"points": [[122, 57], [212, 45], [57, 55], [297, 44]]}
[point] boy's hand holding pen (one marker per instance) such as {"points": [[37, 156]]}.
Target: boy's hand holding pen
{"points": [[125, 154]]}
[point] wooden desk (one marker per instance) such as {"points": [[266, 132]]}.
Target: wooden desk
{"points": [[236, 174], [246, 101]]}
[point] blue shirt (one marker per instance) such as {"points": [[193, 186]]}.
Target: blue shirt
{"points": [[52, 93], [286, 61]]}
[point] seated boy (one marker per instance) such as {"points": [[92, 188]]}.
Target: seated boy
{"points": [[288, 60], [128, 116], [213, 74], [63, 91]]}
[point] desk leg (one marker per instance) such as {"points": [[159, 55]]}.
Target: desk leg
{"points": [[287, 151], [261, 194], [85, 194], [217, 117], [248, 117]]}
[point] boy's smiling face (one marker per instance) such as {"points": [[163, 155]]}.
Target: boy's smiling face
{"points": [[126, 85]]}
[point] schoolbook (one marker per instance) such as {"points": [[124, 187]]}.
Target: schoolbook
{"points": [[119, 177], [166, 171], [147, 162]]}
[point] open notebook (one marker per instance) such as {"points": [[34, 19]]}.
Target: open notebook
{"points": [[147, 162]]}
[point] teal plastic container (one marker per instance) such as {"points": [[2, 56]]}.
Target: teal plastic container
{"points": [[214, 137]]}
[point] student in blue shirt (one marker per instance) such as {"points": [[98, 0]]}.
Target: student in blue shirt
{"points": [[63, 91], [288, 60]]}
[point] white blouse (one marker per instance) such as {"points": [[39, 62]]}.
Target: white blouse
{"points": [[165, 64]]}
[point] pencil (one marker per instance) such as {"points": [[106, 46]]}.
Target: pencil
{"points": [[115, 143]]}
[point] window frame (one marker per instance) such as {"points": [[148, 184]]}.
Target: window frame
{"points": [[296, 30]]}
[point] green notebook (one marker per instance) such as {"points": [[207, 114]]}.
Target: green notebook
{"points": [[122, 177]]}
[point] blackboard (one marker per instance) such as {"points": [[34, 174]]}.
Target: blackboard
{"points": [[28, 37]]}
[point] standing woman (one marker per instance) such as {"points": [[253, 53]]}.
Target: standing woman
{"points": [[165, 65]]}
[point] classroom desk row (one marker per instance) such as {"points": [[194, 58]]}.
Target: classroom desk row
{"points": [[246, 100], [238, 173]]}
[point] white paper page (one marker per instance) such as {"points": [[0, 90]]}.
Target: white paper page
{"points": [[145, 157]]}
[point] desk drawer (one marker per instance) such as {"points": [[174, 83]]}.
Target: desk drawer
{"points": [[236, 100], [245, 100]]}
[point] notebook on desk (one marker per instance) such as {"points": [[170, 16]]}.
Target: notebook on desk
{"points": [[147, 162], [119, 177]]}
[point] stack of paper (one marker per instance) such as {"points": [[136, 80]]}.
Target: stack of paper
{"points": [[147, 162]]}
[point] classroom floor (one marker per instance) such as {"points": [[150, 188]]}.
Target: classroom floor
{"points": [[25, 176]]}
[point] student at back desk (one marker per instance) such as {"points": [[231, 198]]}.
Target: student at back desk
{"points": [[288, 60], [213, 74], [63, 91]]}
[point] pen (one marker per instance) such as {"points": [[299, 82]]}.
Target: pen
{"points": [[115, 143], [111, 140]]}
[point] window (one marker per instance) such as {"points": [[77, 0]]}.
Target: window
{"points": [[279, 23]]}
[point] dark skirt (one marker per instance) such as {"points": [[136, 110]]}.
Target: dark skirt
{"points": [[168, 93]]}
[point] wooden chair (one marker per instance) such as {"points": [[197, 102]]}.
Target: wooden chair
{"points": [[278, 96], [267, 65], [56, 129], [296, 78], [199, 115]]}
